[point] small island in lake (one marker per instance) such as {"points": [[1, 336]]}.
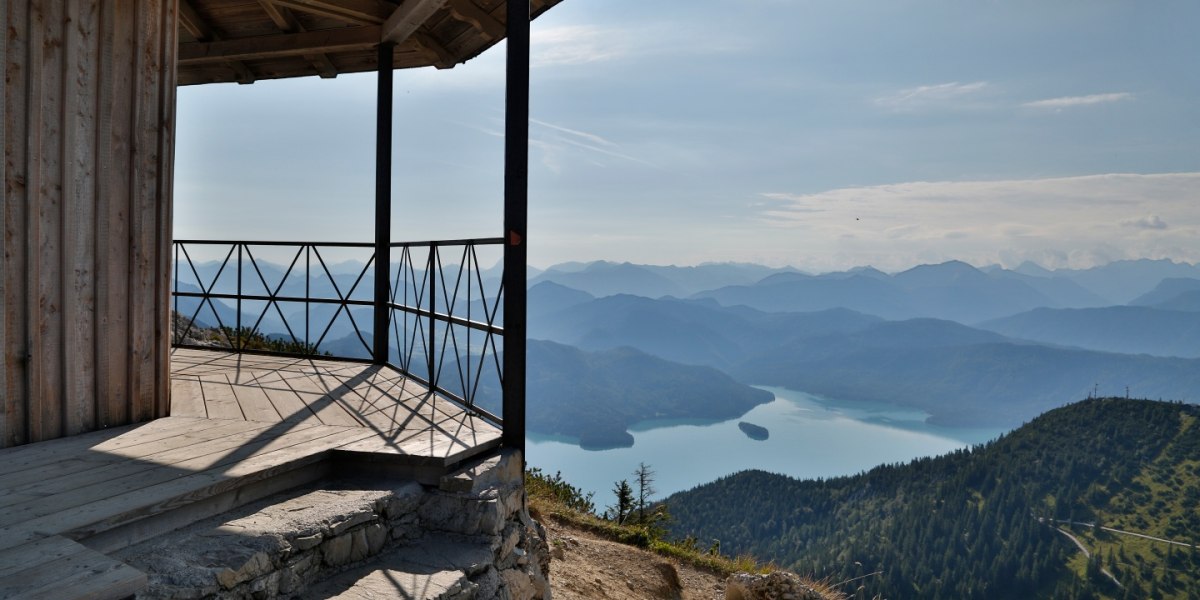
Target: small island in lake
{"points": [[596, 396], [754, 432]]}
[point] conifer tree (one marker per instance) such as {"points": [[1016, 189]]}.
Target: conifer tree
{"points": [[624, 506]]}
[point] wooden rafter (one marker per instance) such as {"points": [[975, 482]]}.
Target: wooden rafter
{"points": [[281, 16], [288, 23], [199, 29], [350, 39], [409, 17], [359, 12], [469, 12], [437, 53]]}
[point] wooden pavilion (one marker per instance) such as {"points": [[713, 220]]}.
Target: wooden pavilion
{"points": [[91, 383]]}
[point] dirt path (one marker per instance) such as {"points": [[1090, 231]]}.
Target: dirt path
{"points": [[1087, 554], [585, 567]]}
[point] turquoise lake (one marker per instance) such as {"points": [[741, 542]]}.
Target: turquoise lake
{"points": [[810, 437]]}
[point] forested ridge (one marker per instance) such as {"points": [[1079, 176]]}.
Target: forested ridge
{"points": [[976, 523]]}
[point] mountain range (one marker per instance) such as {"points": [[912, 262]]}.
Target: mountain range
{"points": [[993, 521], [971, 346]]}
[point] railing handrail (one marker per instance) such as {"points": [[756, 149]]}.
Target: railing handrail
{"points": [[488, 241], [274, 243], [424, 282]]}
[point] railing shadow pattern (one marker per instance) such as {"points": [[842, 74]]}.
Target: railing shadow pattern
{"points": [[307, 299]]}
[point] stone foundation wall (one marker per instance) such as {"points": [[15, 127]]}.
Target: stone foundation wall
{"points": [[474, 522]]}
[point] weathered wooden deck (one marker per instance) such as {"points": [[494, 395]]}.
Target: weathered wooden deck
{"points": [[242, 427]]}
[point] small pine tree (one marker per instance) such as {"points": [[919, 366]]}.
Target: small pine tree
{"points": [[624, 506]]}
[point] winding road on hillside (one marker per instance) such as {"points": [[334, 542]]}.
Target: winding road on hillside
{"points": [[1087, 554], [1122, 532]]}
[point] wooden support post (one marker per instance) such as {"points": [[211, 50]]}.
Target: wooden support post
{"points": [[516, 208], [383, 203]]}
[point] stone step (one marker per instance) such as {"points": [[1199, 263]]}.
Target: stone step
{"points": [[279, 545], [465, 537], [435, 568]]}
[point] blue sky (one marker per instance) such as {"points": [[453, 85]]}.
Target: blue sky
{"points": [[820, 134]]}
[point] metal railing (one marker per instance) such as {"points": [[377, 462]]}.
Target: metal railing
{"points": [[315, 299]]}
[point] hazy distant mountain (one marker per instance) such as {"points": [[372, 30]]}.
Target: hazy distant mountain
{"points": [[602, 278], [988, 384], [1185, 301], [1167, 290], [1061, 290], [605, 279], [801, 293], [1123, 280], [713, 275], [1033, 270], [953, 290], [687, 331], [596, 396], [547, 297], [1125, 329]]}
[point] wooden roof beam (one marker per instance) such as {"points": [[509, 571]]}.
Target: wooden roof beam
{"points": [[350, 39], [288, 23], [467, 11], [199, 29], [281, 16], [437, 53], [358, 12], [409, 17], [191, 21]]}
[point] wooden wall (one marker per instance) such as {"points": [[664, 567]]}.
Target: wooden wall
{"points": [[88, 103]]}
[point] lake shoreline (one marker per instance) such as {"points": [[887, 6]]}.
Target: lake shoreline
{"points": [[810, 437]]}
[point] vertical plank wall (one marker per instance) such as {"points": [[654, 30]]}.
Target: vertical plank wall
{"points": [[89, 118]]}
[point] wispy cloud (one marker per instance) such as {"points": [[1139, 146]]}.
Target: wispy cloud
{"points": [[1080, 220], [556, 140], [576, 45], [1147, 222], [1073, 101], [931, 96], [590, 137]]}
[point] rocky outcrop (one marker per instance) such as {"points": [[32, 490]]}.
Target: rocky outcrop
{"points": [[779, 585]]}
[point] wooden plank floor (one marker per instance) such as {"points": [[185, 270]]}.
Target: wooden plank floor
{"points": [[236, 420], [407, 419]]}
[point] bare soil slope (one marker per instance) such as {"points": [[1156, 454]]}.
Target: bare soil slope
{"points": [[587, 567]]}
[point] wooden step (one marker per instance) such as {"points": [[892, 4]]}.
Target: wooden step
{"points": [[56, 568]]}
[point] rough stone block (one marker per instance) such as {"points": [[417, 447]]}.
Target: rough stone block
{"points": [[494, 471], [255, 565], [359, 549], [779, 585], [306, 542], [403, 501], [377, 536], [487, 584], [518, 584], [336, 551], [343, 523]]}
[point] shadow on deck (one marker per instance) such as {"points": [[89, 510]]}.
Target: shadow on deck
{"points": [[242, 427]]}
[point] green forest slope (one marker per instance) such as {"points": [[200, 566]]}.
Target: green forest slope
{"points": [[985, 522]]}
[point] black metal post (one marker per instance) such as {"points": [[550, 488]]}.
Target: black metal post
{"points": [[383, 202], [431, 354], [516, 209]]}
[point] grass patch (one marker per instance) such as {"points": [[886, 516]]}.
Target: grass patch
{"points": [[552, 497]]}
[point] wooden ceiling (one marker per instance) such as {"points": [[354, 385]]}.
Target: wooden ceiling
{"points": [[247, 40]]}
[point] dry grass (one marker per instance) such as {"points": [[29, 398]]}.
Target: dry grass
{"points": [[542, 507]]}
